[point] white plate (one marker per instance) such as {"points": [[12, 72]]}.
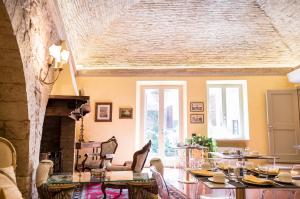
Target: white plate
{"points": [[277, 180], [212, 180]]}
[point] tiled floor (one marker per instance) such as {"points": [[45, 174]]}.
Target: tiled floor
{"points": [[174, 176]]}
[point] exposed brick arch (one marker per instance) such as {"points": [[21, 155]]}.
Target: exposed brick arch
{"points": [[26, 32]]}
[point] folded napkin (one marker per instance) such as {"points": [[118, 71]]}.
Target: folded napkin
{"points": [[223, 166], [272, 171], [256, 180], [202, 172]]}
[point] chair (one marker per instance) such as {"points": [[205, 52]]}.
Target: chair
{"points": [[108, 148], [146, 189], [137, 165], [163, 191], [99, 159], [45, 191], [8, 184]]}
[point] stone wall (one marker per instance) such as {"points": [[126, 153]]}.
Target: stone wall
{"points": [[14, 122], [27, 33]]}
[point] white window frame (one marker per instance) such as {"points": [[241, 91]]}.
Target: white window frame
{"points": [[242, 84], [140, 86]]}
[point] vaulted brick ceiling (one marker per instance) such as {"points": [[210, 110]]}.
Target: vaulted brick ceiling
{"points": [[154, 34]]}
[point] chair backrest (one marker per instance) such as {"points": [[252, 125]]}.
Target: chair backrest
{"points": [[140, 157], [43, 171], [163, 191], [7, 153], [108, 147]]}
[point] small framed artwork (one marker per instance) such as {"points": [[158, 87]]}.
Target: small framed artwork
{"points": [[196, 106], [103, 112], [125, 113], [197, 118]]}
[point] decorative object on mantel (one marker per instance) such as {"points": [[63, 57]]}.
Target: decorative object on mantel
{"points": [[59, 56], [197, 118], [79, 113], [103, 112], [196, 107], [125, 113]]}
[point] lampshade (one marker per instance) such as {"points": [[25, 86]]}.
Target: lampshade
{"points": [[54, 51], [294, 76], [64, 55]]}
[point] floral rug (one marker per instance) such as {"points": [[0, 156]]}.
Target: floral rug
{"points": [[93, 191]]}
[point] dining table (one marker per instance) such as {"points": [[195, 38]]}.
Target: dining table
{"points": [[188, 151], [244, 157], [80, 178], [240, 186]]}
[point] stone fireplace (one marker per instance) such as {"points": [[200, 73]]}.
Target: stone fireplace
{"points": [[58, 138]]}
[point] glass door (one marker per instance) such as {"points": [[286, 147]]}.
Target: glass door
{"points": [[161, 118]]}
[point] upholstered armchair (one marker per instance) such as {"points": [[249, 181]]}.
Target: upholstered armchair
{"points": [[137, 165], [59, 191], [8, 184], [98, 159]]}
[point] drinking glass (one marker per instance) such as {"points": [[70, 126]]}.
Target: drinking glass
{"points": [[295, 172], [263, 171]]}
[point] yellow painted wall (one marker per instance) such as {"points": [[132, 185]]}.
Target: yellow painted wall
{"points": [[63, 85], [121, 91]]}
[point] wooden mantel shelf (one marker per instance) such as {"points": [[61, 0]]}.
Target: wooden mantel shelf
{"points": [[62, 105], [69, 97]]}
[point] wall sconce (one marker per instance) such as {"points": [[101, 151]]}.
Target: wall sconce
{"points": [[58, 58]]}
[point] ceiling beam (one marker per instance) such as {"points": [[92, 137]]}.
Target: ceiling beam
{"points": [[185, 72]]}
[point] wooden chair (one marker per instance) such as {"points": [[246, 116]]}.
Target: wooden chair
{"points": [[99, 156], [8, 183], [137, 165], [108, 148]]}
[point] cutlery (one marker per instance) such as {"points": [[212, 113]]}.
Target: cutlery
{"points": [[278, 184]]}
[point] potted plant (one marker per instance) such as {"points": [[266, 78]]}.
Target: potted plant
{"points": [[204, 141]]}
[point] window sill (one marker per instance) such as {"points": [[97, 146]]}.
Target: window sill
{"points": [[232, 140]]}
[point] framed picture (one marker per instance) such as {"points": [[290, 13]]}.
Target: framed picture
{"points": [[103, 112], [196, 106], [125, 113], [197, 118]]}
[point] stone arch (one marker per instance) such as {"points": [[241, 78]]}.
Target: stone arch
{"points": [[14, 121], [26, 32]]}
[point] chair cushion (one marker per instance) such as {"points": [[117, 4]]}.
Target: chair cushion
{"points": [[118, 168], [8, 188]]}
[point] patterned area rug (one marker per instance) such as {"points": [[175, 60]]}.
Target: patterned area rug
{"points": [[175, 193], [93, 191]]}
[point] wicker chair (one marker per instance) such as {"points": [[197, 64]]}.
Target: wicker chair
{"points": [[8, 184], [57, 191], [146, 189], [137, 165]]}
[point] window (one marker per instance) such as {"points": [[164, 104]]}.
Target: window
{"points": [[227, 110]]}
